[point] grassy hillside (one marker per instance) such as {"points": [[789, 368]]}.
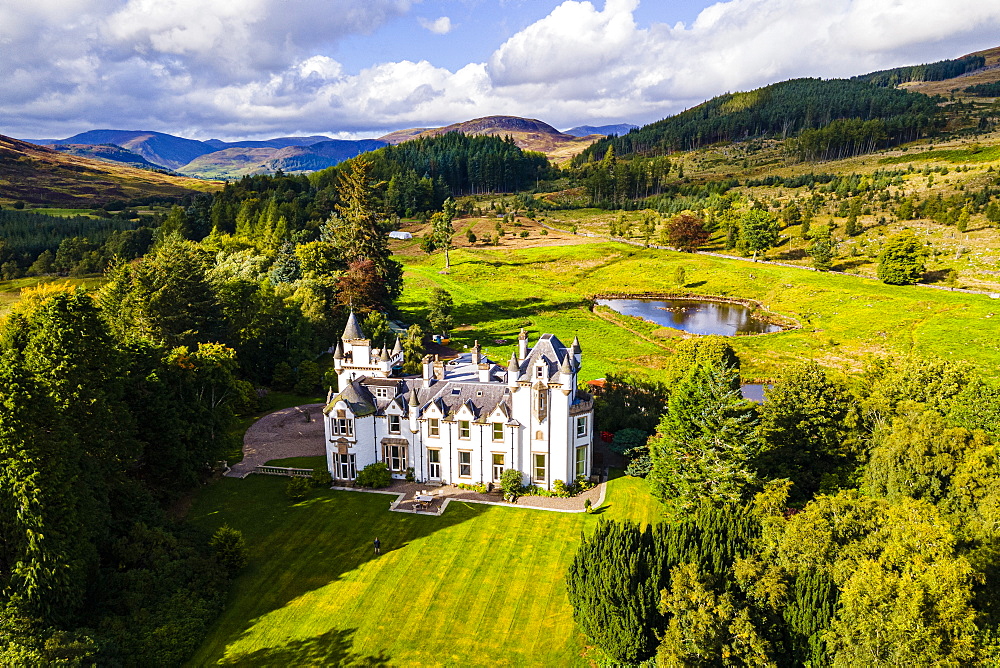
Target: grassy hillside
{"points": [[543, 282], [40, 175]]}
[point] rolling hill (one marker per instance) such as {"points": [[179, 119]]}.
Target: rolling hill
{"points": [[587, 130], [989, 73], [156, 147], [107, 153], [242, 161], [529, 134], [40, 175]]}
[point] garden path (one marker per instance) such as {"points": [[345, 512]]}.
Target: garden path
{"points": [[290, 432]]}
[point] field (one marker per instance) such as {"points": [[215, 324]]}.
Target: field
{"points": [[479, 585], [544, 288]]}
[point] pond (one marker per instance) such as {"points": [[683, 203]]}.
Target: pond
{"points": [[693, 316], [754, 391]]}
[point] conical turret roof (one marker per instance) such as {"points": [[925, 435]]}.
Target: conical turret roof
{"points": [[413, 397], [566, 367], [576, 345], [385, 354], [513, 367], [398, 348], [338, 354], [353, 330]]}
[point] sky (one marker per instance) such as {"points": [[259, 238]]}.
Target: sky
{"points": [[252, 69]]}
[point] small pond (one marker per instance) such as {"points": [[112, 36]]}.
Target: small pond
{"points": [[692, 316], [754, 391]]}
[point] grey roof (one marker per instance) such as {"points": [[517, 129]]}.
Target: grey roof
{"points": [[338, 354], [566, 366], [413, 398], [549, 349], [483, 398], [357, 397], [352, 331], [398, 348], [385, 354], [576, 346]]}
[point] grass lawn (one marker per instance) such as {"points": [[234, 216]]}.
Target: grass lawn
{"points": [[480, 585], [845, 318]]}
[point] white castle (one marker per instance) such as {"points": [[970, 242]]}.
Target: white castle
{"points": [[462, 420]]}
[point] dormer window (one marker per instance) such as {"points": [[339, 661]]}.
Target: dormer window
{"points": [[393, 424], [539, 372], [382, 392]]}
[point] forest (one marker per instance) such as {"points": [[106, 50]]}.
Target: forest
{"points": [[841, 522], [114, 405], [783, 110], [938, 71]]}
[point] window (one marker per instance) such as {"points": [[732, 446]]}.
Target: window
{"points": [[539, 372], [539, 468], [434, 459], [393, 424], [395, 457], [543, 396], [344, 467], [498, 431], [382, 392], [464, 464], [342, 427], [497, 466], [581, 426], [464, 430], [581, 462], [433, 427]]}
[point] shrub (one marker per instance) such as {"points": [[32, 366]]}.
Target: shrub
{"points": [[298, 488], [374, 475], [510, 483], [639, 467], [560, 488], [230, 548], [321, 478], [587, 505], [627, 439], [410, 477]]}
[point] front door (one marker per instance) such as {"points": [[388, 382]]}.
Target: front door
{"points": [[434, 459], [497, 466], [345, 464]]}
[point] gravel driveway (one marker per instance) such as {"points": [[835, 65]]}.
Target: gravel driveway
{"points": [[291, 432]]}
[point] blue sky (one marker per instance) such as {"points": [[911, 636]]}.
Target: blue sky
{"points": [[359, 68]]}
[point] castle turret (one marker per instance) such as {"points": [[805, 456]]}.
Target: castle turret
{"points": [[414, 406], [513, 371], [577, 351], [566, 374], [397, 352], [354, 338], [385, 362], [338, 357]]}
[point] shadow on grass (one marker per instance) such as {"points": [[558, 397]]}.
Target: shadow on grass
{"points": [[298, 548], [333, 648]]}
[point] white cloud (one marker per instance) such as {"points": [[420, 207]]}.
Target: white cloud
{"points": [[205, 68], [439, 26]]}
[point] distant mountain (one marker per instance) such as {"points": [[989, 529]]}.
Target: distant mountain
{"points": [[278, 142], [586, 130], [109, 153], [239, 161], [156, 147], [528, 133], [399, 136], [41, 175]]}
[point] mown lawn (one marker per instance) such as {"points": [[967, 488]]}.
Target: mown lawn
{"points": [[479, 585], [845, 318]]}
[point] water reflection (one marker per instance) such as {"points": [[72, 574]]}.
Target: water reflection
{"points": [[754, 391], [694, 317]]}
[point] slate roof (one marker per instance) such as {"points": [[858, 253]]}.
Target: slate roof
{"points": [[547, 348], [357, 397], [353, 330]]}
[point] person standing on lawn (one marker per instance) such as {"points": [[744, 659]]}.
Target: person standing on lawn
{"points": [[378, 546]]}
